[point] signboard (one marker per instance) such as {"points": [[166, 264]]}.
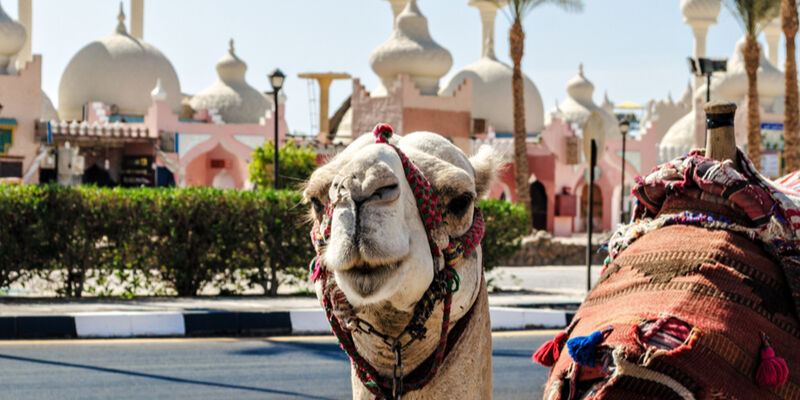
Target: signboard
{"points": [[572, 150], [593, 129], [771, 136], [770, 164]]}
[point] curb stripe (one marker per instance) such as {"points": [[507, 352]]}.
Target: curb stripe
{"points": [[159, 324], [129, 324]]}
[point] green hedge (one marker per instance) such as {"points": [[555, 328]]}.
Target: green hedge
{"points": [[506, 224], [181, 239], [166, 241]]}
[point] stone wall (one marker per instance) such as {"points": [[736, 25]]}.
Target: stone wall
{"points": [[543, 249]]}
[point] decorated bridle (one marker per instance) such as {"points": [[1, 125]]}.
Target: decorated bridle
{"points": [[445, 282]]}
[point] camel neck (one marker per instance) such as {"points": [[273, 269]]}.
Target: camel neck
{"points": [[391, 321]]}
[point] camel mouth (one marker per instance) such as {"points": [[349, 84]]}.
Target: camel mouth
{"points": [[367, 279]]}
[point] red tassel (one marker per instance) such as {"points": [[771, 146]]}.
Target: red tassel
{"points": [[772, 371], [548, 353]]}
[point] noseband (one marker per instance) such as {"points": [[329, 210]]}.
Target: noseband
{"points": [[445, 282]]}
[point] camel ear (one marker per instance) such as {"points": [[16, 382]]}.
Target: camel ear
{"points": [[486, 163]]}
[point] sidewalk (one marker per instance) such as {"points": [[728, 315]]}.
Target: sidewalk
{"points": [[530, 297]]}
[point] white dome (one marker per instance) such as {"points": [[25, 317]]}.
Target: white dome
{"points": [[702, 10], [578, 105], [48, 112], [732, 85], [236, 101], [679, 139], [411, 50], [491, 95], [117, 69], [12, 38], [344, 133]]}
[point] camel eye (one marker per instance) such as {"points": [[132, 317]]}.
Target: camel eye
{"points": [[459, 205], [318, 206]]}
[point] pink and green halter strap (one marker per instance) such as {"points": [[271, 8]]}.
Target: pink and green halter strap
{"points": [[423, 192]]}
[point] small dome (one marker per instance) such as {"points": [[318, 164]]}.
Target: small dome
{"points": [[607, 105], [686, 97], [732, 85], [48, 111], [700, 10], [491, 95], [580, 88], [236, 101], [411, 50], [578, 105], [117, 69], [12, 38]]}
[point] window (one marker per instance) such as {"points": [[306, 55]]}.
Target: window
{"points": [[10, 169], [6, 139]]}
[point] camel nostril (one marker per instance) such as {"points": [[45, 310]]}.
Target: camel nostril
{"points": [[386, 190]]}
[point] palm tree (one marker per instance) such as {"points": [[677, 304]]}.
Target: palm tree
{"points": [[752, 15], [791, 124], [516, 12]]}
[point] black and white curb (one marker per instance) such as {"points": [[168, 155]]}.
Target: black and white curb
{"points": [[225, 323]]}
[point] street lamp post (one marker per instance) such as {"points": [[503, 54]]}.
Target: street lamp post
{"points": [[706, 67], [623, 128], [276, 80]]}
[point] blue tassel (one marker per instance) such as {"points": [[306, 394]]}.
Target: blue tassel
{"points": [[582, 349]]}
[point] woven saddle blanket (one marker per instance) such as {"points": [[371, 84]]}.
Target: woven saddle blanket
{"points": [[704, 277]]}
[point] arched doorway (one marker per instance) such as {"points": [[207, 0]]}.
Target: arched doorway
{"points": [[597, 211], [538, 205]]}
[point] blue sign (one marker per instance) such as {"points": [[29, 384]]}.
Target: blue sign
{"points": [[769, 126]]}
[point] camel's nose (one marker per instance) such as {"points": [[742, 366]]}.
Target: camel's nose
{"points": [[377, 184]]}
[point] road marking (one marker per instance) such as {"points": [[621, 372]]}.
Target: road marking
{"points": [[313, 338]]}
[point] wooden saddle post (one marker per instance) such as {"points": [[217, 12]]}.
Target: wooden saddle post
{"points": [[720, 138]]}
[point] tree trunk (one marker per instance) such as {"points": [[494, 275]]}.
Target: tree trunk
{"points": [[751, 52], [516, 38], [273, 279], [791, 124]]}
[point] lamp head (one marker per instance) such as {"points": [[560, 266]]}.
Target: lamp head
{"points": [[624, 126], [276, 79]]}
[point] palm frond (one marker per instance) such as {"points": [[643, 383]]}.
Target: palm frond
{"points": [[518, 9], [753, 15]]}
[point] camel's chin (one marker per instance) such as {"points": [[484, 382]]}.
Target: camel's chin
{"points": [[370, 283]]}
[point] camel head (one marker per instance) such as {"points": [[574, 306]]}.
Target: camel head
{"points": [[378, 248]]}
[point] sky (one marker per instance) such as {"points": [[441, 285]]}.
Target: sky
{"points": [[634, 49]]}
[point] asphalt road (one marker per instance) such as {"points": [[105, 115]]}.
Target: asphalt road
{"points": [[219, 368]]}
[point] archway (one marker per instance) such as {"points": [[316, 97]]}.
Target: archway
{"points": [[538, 205], [207, 169], [597, 212]]}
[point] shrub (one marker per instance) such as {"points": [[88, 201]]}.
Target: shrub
{"points": [[506, 224], [280, 242], [79, 222], [295, 164], [181, 238], [21, 233]]}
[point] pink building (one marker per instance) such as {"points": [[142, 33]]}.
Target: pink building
{"points": [[558, 181], [408, 110], [474, 108], [111, 128]]}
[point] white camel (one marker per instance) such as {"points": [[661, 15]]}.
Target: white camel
{"points": [[378, 267]]}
